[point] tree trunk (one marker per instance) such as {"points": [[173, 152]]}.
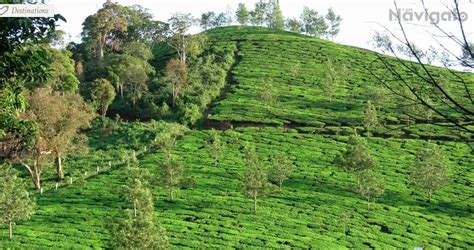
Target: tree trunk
{"points": [[10, 229], [135, 207], [103, 111], [100, 47], [36, 174], [175, 94], [37, 181], [183, 51], [430, 194], [59, 165], [100, 53]]}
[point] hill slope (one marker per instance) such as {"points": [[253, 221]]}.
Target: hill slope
{"points": [[294, 67], [317, 207]]}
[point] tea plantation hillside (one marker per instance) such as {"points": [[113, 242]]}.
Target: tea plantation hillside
{"points": [[317, 206], [291, 69]]}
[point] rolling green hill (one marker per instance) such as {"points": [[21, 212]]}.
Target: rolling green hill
{"points": [[295, 65], [317, 207]]}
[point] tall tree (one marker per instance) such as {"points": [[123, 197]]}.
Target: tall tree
{"points": [[293, 72], [333, 79], [313, 23], [294, 25], [129, 74], [104, 26], [139, 231], [275, 15], [242, 14], [14, 205], [378, 95], [171, 175], [370, 117], [334, 23], [136, 188], [138, 50], [220, 20], [186, 45], [370, 185], [215, 146], [60, 117], [257, 15], [430, 171], [356, 158], [62, 72], [267, 93], [136, 82], [281, 169], [207, 20], [254, 181], [22, 65], [177, 77], [228, 15], [142, 28], [102, 95]]}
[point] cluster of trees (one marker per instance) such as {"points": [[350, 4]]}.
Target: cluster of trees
{"points": [[428, 173], [138, 68], [126, 61], [211, 20], [265, 13], [114, 58], [268, 13], [41, 111], [259, 177], [59, 116], [256, 181]]}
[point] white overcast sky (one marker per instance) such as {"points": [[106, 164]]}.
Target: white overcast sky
{"points": [[360, 18]]}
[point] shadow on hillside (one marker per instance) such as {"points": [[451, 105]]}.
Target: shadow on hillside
{"points": [[389, 198], [452, 208], [335, 106], [320, 186]]}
